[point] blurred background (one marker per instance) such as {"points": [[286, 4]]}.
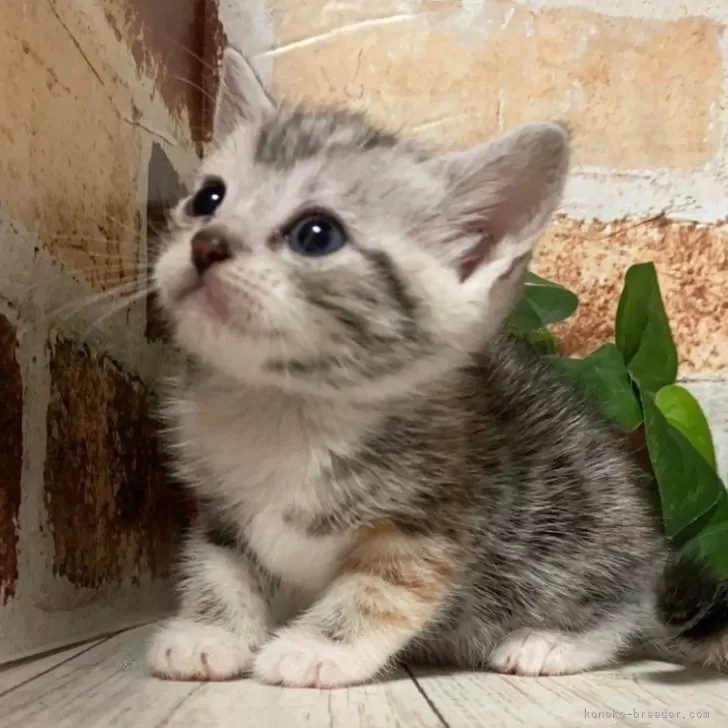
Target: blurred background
{"points": [[104, 112]]}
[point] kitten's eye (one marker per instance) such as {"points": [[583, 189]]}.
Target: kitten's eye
{"points": [[207, 199], [316, 235]]}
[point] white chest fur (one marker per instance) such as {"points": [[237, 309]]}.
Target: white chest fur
{"points": [[306, 562], [260, 455]]}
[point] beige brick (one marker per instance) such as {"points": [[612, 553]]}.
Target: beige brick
{"points": [[591, 259], [111, 514], [11, 456], [182, 43], [69, 161], [639, 93]]}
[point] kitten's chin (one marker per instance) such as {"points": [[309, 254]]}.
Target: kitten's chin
{"points": [[206, 306], [207, 302], [235, 357], [206, 329]]}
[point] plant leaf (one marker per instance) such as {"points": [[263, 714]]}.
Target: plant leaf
{"points": [[683, 411], [544, 342], [689, 487], [711, 546], [643, 331], [714, 517], [535, 280], [549, 300], [542, 303], [604, 379], [524, 318]]}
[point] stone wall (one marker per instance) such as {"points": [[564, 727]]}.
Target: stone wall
{"points": [[104, 112]]}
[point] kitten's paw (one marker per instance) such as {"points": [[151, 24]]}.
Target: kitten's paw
{"points": [[535, 652], [301, 659], [187, 650]]}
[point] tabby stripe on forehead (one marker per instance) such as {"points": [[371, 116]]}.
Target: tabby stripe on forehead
{"points": [[294, 135]]}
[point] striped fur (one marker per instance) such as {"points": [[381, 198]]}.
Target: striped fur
{"points": [[381, 473]]}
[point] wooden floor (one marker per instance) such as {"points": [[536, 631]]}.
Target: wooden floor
{"points": [[104, 683]]}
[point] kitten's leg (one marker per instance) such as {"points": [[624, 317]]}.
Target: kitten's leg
{"points": [[550, 652], [223, 617], [387, 591]]}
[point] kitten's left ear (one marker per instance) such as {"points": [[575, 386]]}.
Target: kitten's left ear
{"points": [[503, 194], [241, 96]]}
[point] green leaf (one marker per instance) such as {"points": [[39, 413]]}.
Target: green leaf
{"points": [[714, 517], [689, 487], [524, 318], [711, 546], [542, 303], [541, 340], [643, 331], [604, 379], [549, 300], [683, 411], [544, 342], [535, 280]]}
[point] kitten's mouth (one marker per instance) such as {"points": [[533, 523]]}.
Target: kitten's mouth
{"points": [[208, 295]]}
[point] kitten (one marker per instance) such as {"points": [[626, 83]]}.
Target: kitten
{"points": [[362, 439]]}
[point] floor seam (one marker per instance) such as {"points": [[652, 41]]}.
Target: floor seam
{"points": [[428, 699], [96, 643]]}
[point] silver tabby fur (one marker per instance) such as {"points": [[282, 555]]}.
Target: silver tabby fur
{"points": [[382, 474]]}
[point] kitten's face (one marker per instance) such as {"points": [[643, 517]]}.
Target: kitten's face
{"points": [[319, 254]]}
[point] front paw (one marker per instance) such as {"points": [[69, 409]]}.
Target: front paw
{"points": [[297, 658], [187, 650]]}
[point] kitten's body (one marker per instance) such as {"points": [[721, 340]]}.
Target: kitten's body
{"points": [[411, 484]]}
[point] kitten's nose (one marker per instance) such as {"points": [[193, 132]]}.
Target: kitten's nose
{"points": [[210, 246]]}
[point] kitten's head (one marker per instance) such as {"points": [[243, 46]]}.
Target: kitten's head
{"points": [[320, 254]]}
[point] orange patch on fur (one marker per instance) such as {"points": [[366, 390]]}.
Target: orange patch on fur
{"points": [[372, 609], [423, 567]]}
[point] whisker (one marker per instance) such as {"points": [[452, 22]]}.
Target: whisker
{"points": [[82, 248], [111, 267], [74, 308], [123, 224], [87, 277], [186, 49], [137, 233], [120, 306], [110, 281], [195, 86], [156, 231], [108, 271], [88, 239]]}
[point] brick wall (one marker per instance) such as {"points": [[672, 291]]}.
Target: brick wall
{"points": [[103, 112]]}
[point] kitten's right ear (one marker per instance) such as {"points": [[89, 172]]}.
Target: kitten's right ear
{"points": [[241, 97]]}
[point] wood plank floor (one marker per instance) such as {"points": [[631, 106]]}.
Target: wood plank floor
{"points": [[104, 683]]}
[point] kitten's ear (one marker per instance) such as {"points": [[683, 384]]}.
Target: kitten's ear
{"points": [[241, 96], [503, 194]]}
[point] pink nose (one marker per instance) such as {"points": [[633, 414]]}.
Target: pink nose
{"points": [[209, 246]]}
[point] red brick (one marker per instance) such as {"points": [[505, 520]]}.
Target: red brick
{"points": [[111, 511], [11, 457]]}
